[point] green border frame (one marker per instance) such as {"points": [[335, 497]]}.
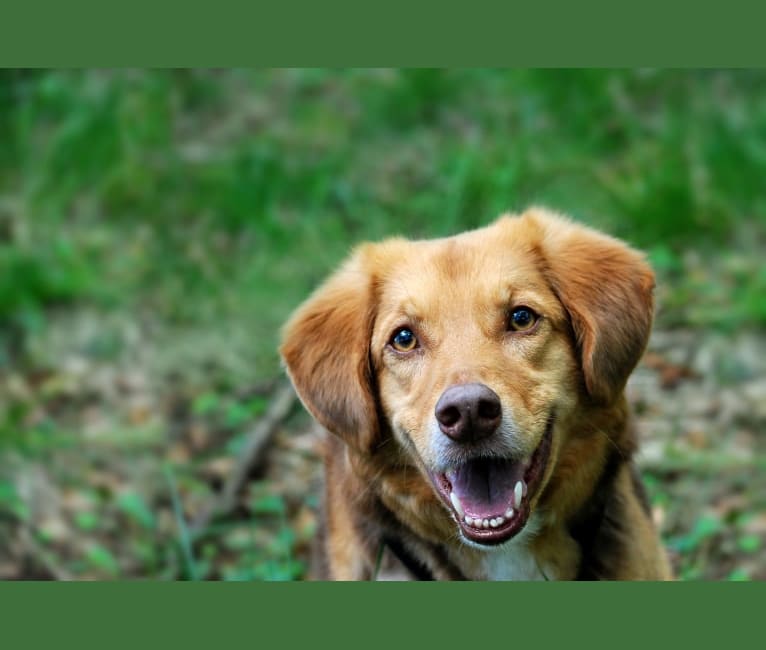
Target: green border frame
{"points": [[251, 614], [305, 32]]}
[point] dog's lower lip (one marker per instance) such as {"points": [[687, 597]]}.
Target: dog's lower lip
{"points": [[504, 525], [489, 530]]}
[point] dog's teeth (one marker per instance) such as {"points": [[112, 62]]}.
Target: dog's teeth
{"points": [[524, 485], [493, 522], [518, 493], [468, 520], [457, 504], [485, 523], [500, 521], [509, 513]]}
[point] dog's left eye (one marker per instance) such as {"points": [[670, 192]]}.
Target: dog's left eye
{"points": [[522, 319], [403, 340]]}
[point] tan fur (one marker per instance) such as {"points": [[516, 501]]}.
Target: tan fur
{"points": [[595, 296]]}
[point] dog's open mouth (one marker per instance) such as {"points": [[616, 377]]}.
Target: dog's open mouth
{"points": [[490, 497]]}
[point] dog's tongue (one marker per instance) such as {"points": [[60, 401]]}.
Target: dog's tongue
{"points": [[485, 486]]}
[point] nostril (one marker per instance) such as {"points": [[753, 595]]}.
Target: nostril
{"points": [[468, 412], [449, 416], [488, 409]]}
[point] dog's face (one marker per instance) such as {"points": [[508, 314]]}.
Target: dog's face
{"points": [[471, 350], [468, 350]]}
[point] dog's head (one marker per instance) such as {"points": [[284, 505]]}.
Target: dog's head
{"points": [[468, 350]]}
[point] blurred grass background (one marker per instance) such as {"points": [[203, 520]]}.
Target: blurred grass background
{"points": [[160, 226]]}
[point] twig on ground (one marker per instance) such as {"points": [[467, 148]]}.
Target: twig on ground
{"points": [[280, 407]]}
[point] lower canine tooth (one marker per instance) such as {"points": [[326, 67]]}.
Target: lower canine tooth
{"points": [[456, 503]]}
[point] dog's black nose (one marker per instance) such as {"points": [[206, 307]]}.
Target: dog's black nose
{"points": [[468, 412]]}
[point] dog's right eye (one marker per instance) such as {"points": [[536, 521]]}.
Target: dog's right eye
{"points": [[403, 340]]}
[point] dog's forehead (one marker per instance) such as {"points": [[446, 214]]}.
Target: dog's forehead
{"points": [[480, 266]]}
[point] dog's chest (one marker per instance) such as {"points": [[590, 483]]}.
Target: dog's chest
{"points": [[512, 562]]}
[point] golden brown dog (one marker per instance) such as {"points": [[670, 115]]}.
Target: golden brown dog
{"points": [[474, 385]]}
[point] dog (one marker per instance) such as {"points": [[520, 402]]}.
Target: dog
{"points": [[474, 387]]}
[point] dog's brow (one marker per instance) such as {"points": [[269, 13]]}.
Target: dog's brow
{"points": [[408, 308], [503, 296]]}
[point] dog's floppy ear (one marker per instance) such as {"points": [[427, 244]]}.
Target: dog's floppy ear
{"points": [[606, 287], [325, 347]]}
